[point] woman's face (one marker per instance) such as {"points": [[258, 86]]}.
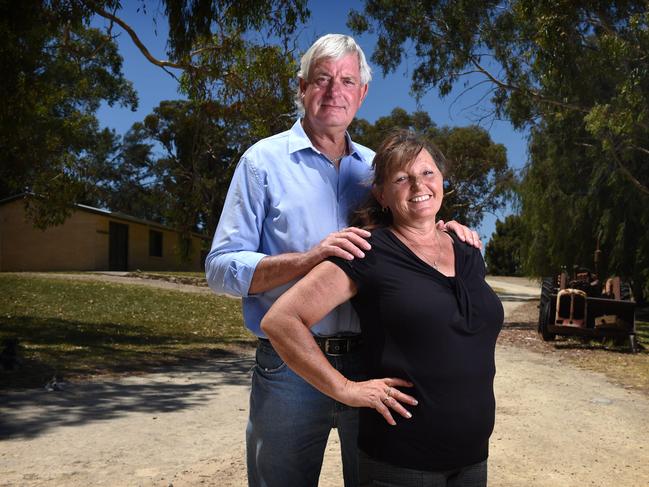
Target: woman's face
{"points": [[413, 193]]}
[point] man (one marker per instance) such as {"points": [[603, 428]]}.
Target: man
{"points": [[286, 211]]}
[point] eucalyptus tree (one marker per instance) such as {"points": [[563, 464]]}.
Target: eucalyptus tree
{"points": [[503, 251], [56, 71], [233, 57], [542, 60], [239, 54]]}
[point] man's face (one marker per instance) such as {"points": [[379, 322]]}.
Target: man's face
{"points": [[333, 94]]}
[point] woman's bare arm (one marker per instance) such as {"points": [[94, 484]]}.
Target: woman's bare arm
{"points": [[287, 324]]}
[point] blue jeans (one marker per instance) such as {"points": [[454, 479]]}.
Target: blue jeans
{"points": [[290, 421]]}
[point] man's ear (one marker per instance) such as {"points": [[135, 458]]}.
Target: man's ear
{"points": [[302, 85], [364, 93]]}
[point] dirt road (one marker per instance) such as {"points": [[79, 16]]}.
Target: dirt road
{"points": [[556, 425]]}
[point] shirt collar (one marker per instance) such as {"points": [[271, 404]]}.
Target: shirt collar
{"points": [[298, 140]]}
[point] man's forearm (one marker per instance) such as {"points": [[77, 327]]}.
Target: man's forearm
{"points": [[276, 270]]}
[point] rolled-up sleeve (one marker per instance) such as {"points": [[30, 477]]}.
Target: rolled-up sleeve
{"points": [[233, 258]]}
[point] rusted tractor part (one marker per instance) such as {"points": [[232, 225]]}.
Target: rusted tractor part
{"points": [[581, 306], [571, 308]]}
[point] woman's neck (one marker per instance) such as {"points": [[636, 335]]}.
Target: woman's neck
{"points": [[431, 245], [416, 232]]}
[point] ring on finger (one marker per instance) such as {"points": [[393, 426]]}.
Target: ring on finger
{"points": [[388, 391]]}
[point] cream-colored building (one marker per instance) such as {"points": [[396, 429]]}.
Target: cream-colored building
{"points": [[91, 239]]}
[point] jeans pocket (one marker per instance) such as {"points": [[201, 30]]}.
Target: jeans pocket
{"points": [[267, 360]]}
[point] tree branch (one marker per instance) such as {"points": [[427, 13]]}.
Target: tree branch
{"points": [[527, 91], [140, 45], [641, 149], [627, 173]]}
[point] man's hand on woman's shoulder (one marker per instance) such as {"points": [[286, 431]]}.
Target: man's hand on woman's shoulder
{"points": [[465, 234]]}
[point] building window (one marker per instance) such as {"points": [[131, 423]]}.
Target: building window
{"points": [[155, 243]]}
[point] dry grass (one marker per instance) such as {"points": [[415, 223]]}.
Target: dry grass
{"points": [[631, 370]]}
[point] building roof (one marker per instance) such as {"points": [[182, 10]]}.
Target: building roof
{"points": [[110, 214]]}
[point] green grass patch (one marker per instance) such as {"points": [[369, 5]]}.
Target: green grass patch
{"points": [[76, 328]]}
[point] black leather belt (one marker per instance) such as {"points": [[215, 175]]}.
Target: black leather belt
{"points": [[338, 345], [335, 345]]}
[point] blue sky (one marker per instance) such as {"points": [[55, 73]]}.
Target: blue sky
{"points": [[386, 93]]}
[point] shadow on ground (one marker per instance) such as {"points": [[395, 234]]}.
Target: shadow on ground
{"points": [[27, 414], [48, 347]]}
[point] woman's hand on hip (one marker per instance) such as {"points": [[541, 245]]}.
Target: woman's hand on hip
{"points": [[380, 394]]}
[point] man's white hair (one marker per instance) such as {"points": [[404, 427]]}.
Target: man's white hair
{"points": [[330, 46]]}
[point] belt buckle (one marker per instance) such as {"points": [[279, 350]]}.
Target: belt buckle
{"points": [[338, 348]]}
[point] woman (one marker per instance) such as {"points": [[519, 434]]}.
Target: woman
{"points": [[429, 323]]}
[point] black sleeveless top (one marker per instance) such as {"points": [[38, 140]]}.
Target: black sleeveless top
{"points": [[437, 332]]}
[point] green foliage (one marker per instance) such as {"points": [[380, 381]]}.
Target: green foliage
{"points": [[573, 200], [74, 327], [544, 61], [209, 23], [239, 90], [239, 70], [502, 253], [239, 55], [477, 180], [56, 72], [575, 73], [175, 167], [189, 177], [252, 90]]}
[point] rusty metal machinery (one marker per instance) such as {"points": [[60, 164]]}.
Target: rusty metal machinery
{"points": [[581, 306]]}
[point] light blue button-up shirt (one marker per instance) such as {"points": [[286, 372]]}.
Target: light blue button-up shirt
{"points": [[285, 196]]}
